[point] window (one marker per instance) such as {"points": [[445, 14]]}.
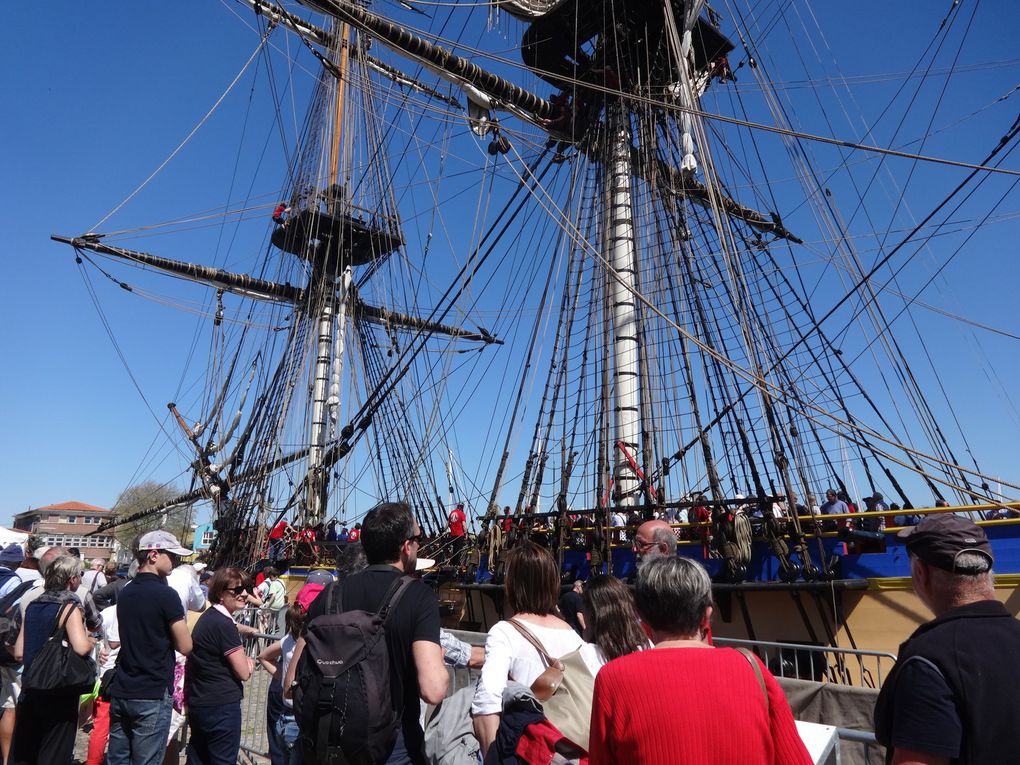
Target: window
{"points": [[72, 519], [208, 537]]}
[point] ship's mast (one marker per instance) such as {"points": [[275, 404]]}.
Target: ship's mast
{"points": [[333, 313], [621, 253]]}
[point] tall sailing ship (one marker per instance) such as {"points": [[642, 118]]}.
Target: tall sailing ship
{"points": [[559, 268]]}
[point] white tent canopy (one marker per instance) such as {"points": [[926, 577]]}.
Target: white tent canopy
{"points": [[10, 536]]}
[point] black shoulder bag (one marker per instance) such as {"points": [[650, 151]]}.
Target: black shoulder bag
{"points": [[57, 669]]}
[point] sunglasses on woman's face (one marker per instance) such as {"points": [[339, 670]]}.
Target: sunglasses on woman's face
{"points": [[236, 590]]}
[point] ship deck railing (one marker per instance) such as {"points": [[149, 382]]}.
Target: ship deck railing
{"points": [[807, 521]]}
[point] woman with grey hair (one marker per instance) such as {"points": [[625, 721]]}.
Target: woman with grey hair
{"points": [[45, 726], [642, 710]]}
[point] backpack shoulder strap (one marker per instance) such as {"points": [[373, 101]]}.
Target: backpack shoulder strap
{"points": [[393, 595], [334, 598], [757, 673], [13, 597]]}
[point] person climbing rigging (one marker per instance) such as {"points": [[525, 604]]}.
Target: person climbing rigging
{"points": [[281, 214]]}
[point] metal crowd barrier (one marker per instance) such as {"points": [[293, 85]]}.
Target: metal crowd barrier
{"points": [[870, 746], [818, 662], [254, 735]]}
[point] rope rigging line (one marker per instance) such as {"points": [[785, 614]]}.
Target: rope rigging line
{"points": [[188, 137], [351, 14], [916, 396], [758, 382]]}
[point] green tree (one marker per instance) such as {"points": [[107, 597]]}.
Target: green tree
{"points": [[143, 496]]}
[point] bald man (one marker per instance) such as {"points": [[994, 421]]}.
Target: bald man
{"points": [[654, 539]]}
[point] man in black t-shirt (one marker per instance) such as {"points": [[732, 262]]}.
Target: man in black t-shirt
{"points": [[150, 619], [572, 607], [947, 698], [390, 537]]}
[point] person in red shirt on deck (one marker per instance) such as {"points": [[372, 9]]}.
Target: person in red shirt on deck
{"points": [[278, 540], [684, 702], [355, 535], [456, 521]]}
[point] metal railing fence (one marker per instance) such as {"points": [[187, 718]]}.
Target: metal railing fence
{"points": [[818, 662], [254, 705]]}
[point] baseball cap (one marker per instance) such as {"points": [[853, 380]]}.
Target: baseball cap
{"points": [[320, 576], [939, 539], [162, 540]]}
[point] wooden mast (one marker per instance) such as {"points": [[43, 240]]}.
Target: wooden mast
{"points": [[338, 110], [333, 314]]}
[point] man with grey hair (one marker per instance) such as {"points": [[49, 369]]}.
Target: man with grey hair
{"points": [[652, 540], [944, 700], [93, 578]]}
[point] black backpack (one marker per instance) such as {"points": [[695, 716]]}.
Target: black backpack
{"points": [[9, 622], [343, 701]]}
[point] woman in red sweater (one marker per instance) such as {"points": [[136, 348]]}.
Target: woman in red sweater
{"points": [[684, 702]]}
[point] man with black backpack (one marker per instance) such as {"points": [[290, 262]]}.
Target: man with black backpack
{"points": [[370, 649]]}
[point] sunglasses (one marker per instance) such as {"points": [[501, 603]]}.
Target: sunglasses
{"points": [[417, 537], [240, 590]]}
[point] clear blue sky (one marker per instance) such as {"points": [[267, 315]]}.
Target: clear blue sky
{"points": [[98, 94]]}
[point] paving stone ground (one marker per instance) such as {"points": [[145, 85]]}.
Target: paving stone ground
{"points": [[253, 722]]}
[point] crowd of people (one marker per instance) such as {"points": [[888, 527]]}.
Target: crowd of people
{"points": [[601, 673]]}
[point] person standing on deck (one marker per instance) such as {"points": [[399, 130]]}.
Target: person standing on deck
{"points": [[278, 540], [654, 539], [572, 607], [833, 506], [456, 523], [950, 695]]}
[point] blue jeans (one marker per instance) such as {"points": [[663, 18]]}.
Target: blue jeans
{"points": [[287, 733], [400, 755], [274, 709], [138, 731], [215, 734]]}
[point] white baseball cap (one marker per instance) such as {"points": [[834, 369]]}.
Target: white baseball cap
{"points": [[162, 540]]}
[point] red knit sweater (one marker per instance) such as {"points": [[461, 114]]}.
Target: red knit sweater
{"points": [[690, 706]]}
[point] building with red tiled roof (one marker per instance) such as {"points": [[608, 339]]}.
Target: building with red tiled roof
{"points": [[70, 524]]}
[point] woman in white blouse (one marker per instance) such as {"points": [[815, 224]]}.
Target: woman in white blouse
{"points": [[532, 589]]}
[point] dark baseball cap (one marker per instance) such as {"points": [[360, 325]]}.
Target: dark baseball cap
{"points": [[939, 539]]}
